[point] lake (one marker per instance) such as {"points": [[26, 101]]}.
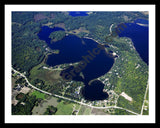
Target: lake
{"points": [[74, 49], [46, 31], [138, 32], [78, 13], [94, 91]]}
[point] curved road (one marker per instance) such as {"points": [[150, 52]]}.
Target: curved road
{"points": [[69, 98]]}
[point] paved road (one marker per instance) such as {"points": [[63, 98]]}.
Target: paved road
{"points": [[89, 105], [30, 83], [144, 98]]}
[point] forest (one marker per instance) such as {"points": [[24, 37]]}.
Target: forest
{"points": [[29, 101], [28, 50], [129, 73], [56, 36]]}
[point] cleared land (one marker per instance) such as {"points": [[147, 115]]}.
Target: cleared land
{"points": [[47, 75], [41, 108]]}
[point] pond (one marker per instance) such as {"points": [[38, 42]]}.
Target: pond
{"points": [[74, 49]]}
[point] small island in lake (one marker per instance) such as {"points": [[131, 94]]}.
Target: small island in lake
{"points": [[103, 56]]}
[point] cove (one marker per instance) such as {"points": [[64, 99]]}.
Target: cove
{"points": [[72, 48], [94, 91], [138, 32], [46, 31]]}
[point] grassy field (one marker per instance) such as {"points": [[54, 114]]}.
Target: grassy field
{"points": [[84, 110], [45, 79], [43, 105], [64, 108], [47, 75], [38, 94]]}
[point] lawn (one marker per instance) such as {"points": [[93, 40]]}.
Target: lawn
{"points": [[39, 94]]}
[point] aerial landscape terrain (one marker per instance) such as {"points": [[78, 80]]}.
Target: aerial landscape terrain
{"points": [[80, 63]]}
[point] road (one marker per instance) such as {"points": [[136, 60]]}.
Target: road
{"points": [[53, 69], [110, 29], [94, 106], [29, 84], [144, 98]]}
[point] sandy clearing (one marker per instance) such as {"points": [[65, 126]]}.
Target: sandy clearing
{"points": [[126, 96], [25, 90]]}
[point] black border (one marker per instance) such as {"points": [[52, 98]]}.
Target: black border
{"points": [[157, 122]]}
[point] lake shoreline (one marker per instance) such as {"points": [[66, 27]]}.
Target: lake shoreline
{"points": [[137, 32]]}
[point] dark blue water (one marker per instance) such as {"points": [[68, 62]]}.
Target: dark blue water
{"points": [[94, 91], [46, 31], [142, 21], [74, 49], [139, 36], [78, 13]]}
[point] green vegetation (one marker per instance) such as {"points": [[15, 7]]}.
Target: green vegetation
{"points": [[25, 105], [64, 108], [129, 73], [146, 108], [51, 110], [57, 35], [42, 106], [134, 105], [21, 97], [50, 81], [20, 81], [28, 50], [121, 112], [39, 95], [146, 104], [84, 110], [47, 80]]}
